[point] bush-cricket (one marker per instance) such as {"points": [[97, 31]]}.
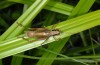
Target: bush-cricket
{"points": [[41, 33]]}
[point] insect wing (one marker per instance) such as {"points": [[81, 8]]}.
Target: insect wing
{"points": [[38, 29]]}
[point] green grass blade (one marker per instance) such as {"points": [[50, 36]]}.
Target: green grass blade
{"points": [[55, 47], [80, 58], [49, 20], [81, 49], [92, 45], [17, 60], [64, 56], [26, 18], [52, 6], [59, 7], [82, 7], [29, 19], [14, 26]]}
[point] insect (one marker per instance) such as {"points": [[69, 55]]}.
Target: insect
{"points": [[41, 33]]}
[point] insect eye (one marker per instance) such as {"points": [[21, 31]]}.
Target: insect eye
{"points": [[54, 30]]}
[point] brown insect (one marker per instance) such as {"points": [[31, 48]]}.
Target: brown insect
{"points": [[41, 33]]}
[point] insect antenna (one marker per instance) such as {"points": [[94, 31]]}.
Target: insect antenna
{"points": [[24, 31]]}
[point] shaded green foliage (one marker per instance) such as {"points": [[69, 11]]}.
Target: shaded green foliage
{"points": [[78, 21]]}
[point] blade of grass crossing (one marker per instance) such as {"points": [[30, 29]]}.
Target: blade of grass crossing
{"points": [[82, 8], [55, 47], [64, 56], [54, 6], [88, 4], [30, 18], [49, 19], [6, 34], [13, 27], [59, 7], [78, 7], [52, 47], [18, 60], [19, 20], [81, 49], [92, 45]]}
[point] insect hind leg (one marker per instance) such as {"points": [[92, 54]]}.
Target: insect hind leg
{"points": [[45, 40], [30, 41]]}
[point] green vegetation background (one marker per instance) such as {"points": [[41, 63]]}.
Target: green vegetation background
{"points": [[77, 44]]}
